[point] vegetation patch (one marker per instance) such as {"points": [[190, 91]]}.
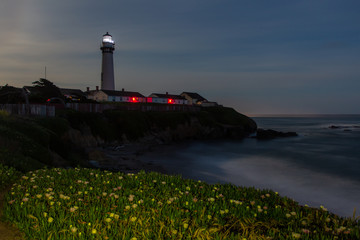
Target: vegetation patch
{"points": [[92, 204]]}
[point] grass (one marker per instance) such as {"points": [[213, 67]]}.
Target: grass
{"points": [[93, 204]]}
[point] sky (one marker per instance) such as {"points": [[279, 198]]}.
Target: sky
{"points": [[259, 57]]}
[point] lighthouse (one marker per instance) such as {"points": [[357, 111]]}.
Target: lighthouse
{"points": [[107, 66]]}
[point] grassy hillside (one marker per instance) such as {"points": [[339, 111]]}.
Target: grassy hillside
{"points": [[92, 204]]}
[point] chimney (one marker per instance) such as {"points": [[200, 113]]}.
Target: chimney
{"points": [[123, 89], [87, 89], [167, 93], [97, 88]]}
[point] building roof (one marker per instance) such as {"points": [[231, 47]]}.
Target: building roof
{"points": [[172, 96], [122, 93], [194, 96], [68, 91]]}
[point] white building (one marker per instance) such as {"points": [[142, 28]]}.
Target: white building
{"points": [[116, 96], [166, 98]]}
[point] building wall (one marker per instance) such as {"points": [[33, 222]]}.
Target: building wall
{"points": [[99, 96]]}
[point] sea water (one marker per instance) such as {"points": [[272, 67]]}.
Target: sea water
{"points": [[319, 167]]}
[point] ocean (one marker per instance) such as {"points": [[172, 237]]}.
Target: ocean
{"points": [[320, 167]]}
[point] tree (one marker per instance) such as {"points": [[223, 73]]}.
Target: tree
{"points": [[43, 90]]}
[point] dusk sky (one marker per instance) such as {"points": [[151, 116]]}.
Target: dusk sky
{"points": [[290, 57]]}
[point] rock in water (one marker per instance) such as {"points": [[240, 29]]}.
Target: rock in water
{"points": [[264, 134]]}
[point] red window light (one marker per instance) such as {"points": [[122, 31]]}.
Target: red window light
{"points": [[171, 101]]}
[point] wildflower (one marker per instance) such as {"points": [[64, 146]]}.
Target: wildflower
{"points": [[211, 199], [163, 183], [127, 207], [134, 205], [267, 195], [104, 194], [306, 231], [209, 217], [252, 203], [38, 195], [174, 232], [287, 215], [50, 219], [303, 222], [186, 203], [73, 229], [187, 188], [293, 213], [93, 231], [296, 235], [112, 215], [327, 219], [169, 202], [131, 197], [25, 199], [133, 219], [45, 214], [134, 238], [116, 216], [186, 225], [51, 203], [108, 220], [222, 212]]}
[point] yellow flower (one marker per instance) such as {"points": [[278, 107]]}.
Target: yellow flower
{"points": [[133, 219], [111, 215], [127, 207], [134, 205], [116, 216], [50, 219], [73, 229], [93, 231], [209, 217], [174, 232], [296, 235], [134, 238], [186, 225], [108, 220], [45, 214], [38, 195]]}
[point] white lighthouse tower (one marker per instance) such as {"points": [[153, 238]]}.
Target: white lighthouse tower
{"points": [[107, 67]]}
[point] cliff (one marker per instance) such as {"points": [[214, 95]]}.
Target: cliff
{"points": [[72, 138]]}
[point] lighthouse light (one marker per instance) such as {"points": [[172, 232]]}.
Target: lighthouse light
{"points": [[107, 39]]}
